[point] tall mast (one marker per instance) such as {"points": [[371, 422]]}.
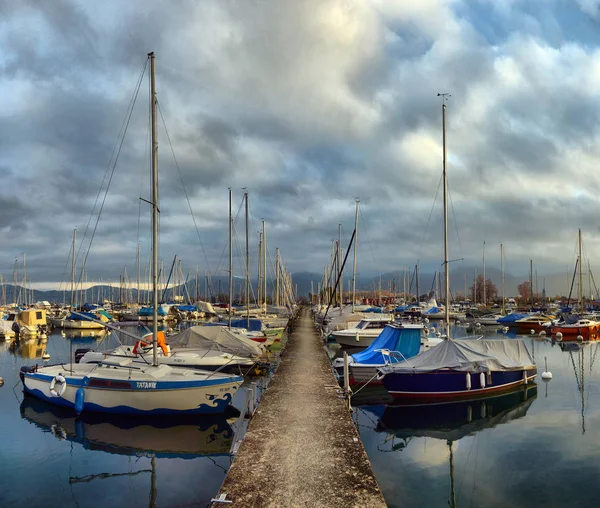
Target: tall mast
{"points": [[264, 265], [230, 261], [340, 273], [247, 266], [445, 179], [259, 289], [531, 282], [580, 295], [354, 264], [73, 269], [25, 279], [138, 273], [277, 277], [154, 214], [484, 281], [502, 273]]}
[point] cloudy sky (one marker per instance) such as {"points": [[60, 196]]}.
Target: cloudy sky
{"points": [[308, 105]]}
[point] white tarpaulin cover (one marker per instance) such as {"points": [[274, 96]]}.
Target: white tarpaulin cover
{"points": [[215, 337], [469, 356]]}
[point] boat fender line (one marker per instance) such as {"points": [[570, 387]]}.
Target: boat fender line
{"points": [[482, 379], [63, 386], [468, 377], [79, 400]]}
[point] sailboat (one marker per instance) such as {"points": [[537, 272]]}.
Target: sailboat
{"points": [[574, 326], [457, 369], [118, 385]]}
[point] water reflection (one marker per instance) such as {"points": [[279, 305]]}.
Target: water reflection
{"points": [[160, 437], [29, 348], [451, 422]]}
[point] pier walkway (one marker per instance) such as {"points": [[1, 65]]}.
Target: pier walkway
{"points": [[301, 447]]}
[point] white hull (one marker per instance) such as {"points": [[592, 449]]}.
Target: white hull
{"points": [[76, 324], [153, 390], [355, 339]]}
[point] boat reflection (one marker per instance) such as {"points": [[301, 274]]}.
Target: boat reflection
{"points": [[453, 421], [84, 334], [156, 437], [29, 348]]}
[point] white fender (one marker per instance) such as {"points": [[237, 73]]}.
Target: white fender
{"points": [[468, 381], [482, 379]]}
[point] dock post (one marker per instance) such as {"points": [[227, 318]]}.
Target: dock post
{"points": [[347, 392]]}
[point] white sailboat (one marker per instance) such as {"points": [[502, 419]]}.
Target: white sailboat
{"points": [[118, 385]]}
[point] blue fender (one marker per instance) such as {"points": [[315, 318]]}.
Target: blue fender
{"points": [[79, 400]]}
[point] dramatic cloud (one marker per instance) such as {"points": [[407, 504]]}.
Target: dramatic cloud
{"points": [[305, 105]]}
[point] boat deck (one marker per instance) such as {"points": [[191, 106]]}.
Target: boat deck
{"points": [[302, 448]]}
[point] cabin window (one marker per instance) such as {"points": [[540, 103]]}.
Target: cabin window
{"points": [[38, 314], [362, 325]]}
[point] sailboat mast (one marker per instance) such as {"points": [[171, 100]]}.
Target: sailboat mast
{"points": [[445, 179], [230, 261], [354, 264], [580, 295], [264, 265], [247, 267], [502, 273], [73, 269], [531, 282], [484, 281], [154, 213]]}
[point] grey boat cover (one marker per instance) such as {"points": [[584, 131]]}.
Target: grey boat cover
{"points": [[468, 356], [215, 338]]}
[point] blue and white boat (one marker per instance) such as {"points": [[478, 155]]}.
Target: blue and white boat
{"points": [[395, 344], [461, 369], [118, 385]]}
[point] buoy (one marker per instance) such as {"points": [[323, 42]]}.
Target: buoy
{"points": [[505, 329], [542, 333], [477, 325], [532, 331], [559, 336], [45, 356], [426, 331], [457, 321], [426, 320], [579, 338], [433, 329], [546, 376], [1, 381], [438, 334]]}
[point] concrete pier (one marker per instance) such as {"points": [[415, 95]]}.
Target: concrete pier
{"points": [[301, 447]]}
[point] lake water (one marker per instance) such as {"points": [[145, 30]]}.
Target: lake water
{"points": [[533, 448], [48, 458]]}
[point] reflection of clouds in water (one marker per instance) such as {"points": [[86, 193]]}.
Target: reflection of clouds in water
{"points": [[429, 452]]}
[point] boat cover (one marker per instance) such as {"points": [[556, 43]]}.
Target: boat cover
{"points": [[215, 337], [404, 340], [469, 356], [511, 318], [187, 308], [205, 307], [256, 325]]}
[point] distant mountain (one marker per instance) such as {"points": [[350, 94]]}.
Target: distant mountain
{"points": [[555, 284]]}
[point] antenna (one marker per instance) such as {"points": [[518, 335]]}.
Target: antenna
{"points": [[444, 96]]}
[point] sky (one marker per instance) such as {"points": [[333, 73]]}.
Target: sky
{"points": [[306, 105]]}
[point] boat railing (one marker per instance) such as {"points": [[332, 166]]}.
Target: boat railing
{"points": [[388, 355]]}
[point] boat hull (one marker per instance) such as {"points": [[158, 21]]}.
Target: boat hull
{"points": [[440, 385], [109, 395], [354, 340]]}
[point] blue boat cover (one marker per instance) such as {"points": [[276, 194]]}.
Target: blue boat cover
{"points": [[404, 340], [433, 310], [511, 318], [147, 311], [187, 308], [375, 310], [105, 314], [255, 324], [82, 316], [90, 306]]}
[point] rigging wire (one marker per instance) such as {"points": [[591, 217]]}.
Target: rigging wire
{"points": [[183, 186], [111, 171], [429, 219], [366, 232]]}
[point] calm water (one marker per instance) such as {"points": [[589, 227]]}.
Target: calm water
{"points": [[535, 448], [48, 458]]}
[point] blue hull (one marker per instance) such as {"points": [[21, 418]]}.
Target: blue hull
{"points": [[451, 384]]}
